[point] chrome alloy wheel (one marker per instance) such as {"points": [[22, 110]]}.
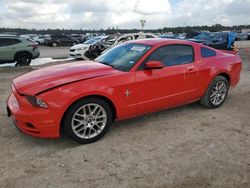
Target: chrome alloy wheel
{"points": [[219, 92], [89, 121]]}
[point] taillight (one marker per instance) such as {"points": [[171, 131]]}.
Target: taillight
{"points": [[33, 45], [236, 49]]}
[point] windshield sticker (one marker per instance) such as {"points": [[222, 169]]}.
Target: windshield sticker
{"points": [[138, 48]]}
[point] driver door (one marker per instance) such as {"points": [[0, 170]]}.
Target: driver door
{"points": [[172, 85]]}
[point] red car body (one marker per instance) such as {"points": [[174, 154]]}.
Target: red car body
{"points": [[129, 94]]}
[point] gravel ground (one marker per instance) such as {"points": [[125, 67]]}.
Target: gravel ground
{"points": [[188, 146]]}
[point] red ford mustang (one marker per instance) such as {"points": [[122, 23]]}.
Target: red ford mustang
{"points": [[82, 99]]}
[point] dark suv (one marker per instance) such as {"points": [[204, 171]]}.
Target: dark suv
{"points": [[17, 49], [61, 40]]}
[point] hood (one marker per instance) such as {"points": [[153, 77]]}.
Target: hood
{"points": [[43, 79], [79, 46]]}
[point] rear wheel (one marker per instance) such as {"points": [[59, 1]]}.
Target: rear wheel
{"points": [[87, 120], [216, 93], [23, 59]]}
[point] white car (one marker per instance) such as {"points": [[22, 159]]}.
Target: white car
{"points": [[79, 50], [40, 39], [133, 36]]}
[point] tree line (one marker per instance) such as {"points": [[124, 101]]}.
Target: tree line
{"points": [[175, 30]]}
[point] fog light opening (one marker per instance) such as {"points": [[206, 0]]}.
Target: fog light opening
{"points": [[29, 125]]}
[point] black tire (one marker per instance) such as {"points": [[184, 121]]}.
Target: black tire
{"points": [[54, 44], [70, 114], [23, 59], [206, 98]]}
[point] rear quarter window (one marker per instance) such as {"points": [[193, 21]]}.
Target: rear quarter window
{"points": [[30, 40], [8, 41], [206, 52]]}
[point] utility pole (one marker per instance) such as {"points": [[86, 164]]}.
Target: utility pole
{"points": [[142, 21]]}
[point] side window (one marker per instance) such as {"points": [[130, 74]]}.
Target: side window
{"points": [[2, 42], [205, 52], [62, 37], [8, 42], [173, 55], [149, 36], [136, 36], [15, 41], [124, 39], [67, 37], [59, 37]]}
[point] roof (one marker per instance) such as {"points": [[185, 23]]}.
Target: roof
{"points": [[7, 35], [158, 41]]}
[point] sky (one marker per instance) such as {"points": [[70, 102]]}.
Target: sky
{"points": [[124, 14]]}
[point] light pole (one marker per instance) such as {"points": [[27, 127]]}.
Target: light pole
{"points": [[142, 23]]}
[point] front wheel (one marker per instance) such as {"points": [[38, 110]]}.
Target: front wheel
{"points": [[216, 93], [87, 120], [54, 44]]}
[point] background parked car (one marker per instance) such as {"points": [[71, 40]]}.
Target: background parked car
{"points": [[182, 36], [60, 40], [17, 49], [204, 37], [133, 36], [167, 35], [241, 36], [40, 39], [218, 40], [78, 51], [79, 37], [96, 49], [223, 41]]}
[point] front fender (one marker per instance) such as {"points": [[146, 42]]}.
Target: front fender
{"points": [[61, 98], [112, 87]]}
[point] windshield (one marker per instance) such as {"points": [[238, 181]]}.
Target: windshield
{"points": [[124, 56], [93, 40]]}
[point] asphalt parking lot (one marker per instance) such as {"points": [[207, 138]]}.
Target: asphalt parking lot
{"points": [[188, 146], [54, 52]]}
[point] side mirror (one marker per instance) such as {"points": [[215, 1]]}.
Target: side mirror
{"points": [[153, 65]]}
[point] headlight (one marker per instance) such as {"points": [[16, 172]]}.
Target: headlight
{"points": [[37, 102]]}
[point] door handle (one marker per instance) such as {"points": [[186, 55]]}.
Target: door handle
{"points": [[190, 68]]}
